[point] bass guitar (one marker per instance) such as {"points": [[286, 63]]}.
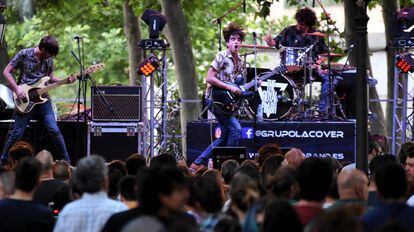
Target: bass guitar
{"points": [[228, 103], [37, 93]]}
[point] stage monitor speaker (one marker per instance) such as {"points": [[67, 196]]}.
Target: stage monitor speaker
{"points": [[221, 154], [116, 103]]}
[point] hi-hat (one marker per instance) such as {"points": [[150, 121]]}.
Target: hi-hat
{"points": [[332, 55]]}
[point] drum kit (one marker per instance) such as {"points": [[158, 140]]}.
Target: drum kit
{"points": [[289, 96]]}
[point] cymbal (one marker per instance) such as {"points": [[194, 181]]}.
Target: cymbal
{"points": [[316, 33], [257, 46], [332, 55]]}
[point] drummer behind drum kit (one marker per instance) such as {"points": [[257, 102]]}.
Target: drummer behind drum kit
{"points": [[288, 96]]}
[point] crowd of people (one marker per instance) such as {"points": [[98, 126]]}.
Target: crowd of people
{"points": [[274, 192]]}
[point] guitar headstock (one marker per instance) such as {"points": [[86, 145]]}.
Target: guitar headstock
{"points": [[94, 68]]}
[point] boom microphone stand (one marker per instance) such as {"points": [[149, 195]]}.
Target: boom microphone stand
{"points": [[219, 20]]}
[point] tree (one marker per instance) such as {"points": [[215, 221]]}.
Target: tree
{"points": [[177, 33]]}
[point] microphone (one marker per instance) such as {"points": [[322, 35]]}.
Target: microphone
{"points": [[349, 48], [77, 37], [244, 6], [313, 3]]}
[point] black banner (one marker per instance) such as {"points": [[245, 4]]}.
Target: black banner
{"points": [[318, 139]]}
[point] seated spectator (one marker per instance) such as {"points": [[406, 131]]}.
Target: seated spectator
{"points": [[293, 158], [280, 216], [392, 187], [6, 184], [20, 212], [18, 151], [134, 163], [62, 171], [266, 151], [162, 192], [127, 191], [49, 186], [314, 177], [90, 212], [118, 165]]}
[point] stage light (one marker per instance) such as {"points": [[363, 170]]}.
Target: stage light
{"points": [[155, 21], [405, 63], [148, 66]]}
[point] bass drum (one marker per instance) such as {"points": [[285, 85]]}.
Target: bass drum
{"points": [[277, 94]]}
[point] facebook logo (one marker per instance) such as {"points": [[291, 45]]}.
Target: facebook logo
{"points": [[247, 132]]}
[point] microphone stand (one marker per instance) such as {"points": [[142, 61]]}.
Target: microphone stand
{"points": [[219, 20]]}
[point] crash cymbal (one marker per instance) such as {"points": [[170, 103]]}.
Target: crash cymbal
{"points": [[332, 55], [316, 33]]}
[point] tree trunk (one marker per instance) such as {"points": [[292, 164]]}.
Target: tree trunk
{"points": [[177, 34], [377, 126], [133, 36], [4, 60], [389, 9]]}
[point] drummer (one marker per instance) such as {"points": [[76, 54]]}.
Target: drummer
{"points": [[303, 35]]}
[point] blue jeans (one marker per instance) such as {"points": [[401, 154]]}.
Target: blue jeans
{"points": [[324, 97], [44, 114], [230, 134]]}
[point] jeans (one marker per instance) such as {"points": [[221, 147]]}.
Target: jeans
{"points": [[324, 97], [44, 113], [230, 134]]}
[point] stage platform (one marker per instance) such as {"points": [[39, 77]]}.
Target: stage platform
{"points": [[318, 139]]}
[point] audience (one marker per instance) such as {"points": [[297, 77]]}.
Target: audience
{"points": [[92, 210], [18, 151], [266, 151], [127, 191], [19, 212], [134, 163], [280, 216], [293, 158], [409, 169], [62, 171], [6, 184]]}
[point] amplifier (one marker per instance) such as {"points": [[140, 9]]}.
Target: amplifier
{"points": [[116, 103]]}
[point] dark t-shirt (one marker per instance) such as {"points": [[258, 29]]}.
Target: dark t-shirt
{"points": [[47, 190], [117, 221], [18, 215]]}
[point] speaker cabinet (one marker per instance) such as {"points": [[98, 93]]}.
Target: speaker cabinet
{"points": [[116, 103]]}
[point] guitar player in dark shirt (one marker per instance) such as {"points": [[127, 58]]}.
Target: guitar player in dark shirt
{"points": [[226, 67], [33, 64]]}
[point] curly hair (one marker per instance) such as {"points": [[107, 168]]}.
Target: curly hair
{"points": [[233, 29], [306, 16]]}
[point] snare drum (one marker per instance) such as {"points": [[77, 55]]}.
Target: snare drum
{"points": [[290, 58]]}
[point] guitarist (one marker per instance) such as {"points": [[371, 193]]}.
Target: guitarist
{"points": [[227, 66], [33, 64]]}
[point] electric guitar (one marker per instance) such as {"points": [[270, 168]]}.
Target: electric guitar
{"points": [[36, 93], [228, 103]]}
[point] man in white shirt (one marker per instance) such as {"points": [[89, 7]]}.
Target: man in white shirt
{"points": [[93, 209]]}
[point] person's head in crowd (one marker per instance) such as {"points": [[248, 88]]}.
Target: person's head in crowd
{"points": [[214, 175], [407, 147], [353, 185], [91, 174], [20, 150], [228, 170], [382, 142], [162, 190], [409, 167], [244, 192], [114, 176], [27, 176], [201, 170], [134, 163], [391, 182], [271, 149], [62, 171], [338, 220], [249, 162], [205, 196], [314, 177], [162, 160], [280, 216], [293, 158], [251, 171], [269, 168], [182, 165], [6, 184], [46, 159], [117, 165], [334, 164], [284, 184], [227, 224], [378, 161], [127, 187]]}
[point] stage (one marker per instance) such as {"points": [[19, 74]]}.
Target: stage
{"points": [[318, 139]]}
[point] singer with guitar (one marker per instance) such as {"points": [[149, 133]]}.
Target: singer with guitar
{"points": [[34, 64], [226, 67]]}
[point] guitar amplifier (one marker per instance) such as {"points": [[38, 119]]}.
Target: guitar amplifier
{"points": [[116, 103]]}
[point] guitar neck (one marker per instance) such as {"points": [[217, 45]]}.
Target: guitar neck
{"points": [[53, 85], [261, 78]]}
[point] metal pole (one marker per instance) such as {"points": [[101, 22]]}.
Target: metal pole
{"points": [[394, 110], [361, 21], [164, 101]]}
